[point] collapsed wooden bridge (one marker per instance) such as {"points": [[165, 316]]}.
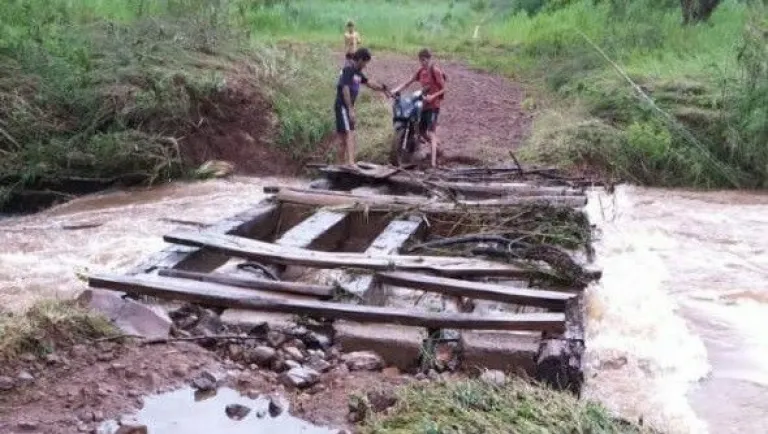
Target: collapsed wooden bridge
{"points": [[350, 252]]}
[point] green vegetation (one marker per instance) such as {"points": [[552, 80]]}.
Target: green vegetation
{"points": [[473, 406], [704, 124], [46, 325], [98, 91]]}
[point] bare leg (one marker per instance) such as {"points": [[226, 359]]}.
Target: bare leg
{"points": [[433, 144], [341, 154], [350, 147]]}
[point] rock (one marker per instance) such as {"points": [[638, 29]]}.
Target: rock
{"points": [[27, 426], [298, 343], [278, 365], [277, 405], [433, 375], [319, 364], [317, 341], [130, 316], [7, 383], [275, 339], [205, 381], [25, 377], [261, 355], [237, 411], [300, 377], [235, 351], [381, 399], [291, 364], [391, 372], [493, 376], [447, 356], [363, 361], [52, 359], [293, 353], [132, 429]]}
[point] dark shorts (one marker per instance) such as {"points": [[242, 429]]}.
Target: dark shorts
{"points": [[343, 123], [429, 119], [348, 55]]}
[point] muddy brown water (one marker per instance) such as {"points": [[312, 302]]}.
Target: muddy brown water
{"points": [[676, 325]]}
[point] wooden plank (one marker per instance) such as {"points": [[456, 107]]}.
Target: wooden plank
{"points": [[221, 296], [483, 291], [257, 220], [316, 230], [480, 189], [323, 292], [388, 242], [391, 203], [267, 252]]}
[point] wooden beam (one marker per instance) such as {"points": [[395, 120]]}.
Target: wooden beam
{"points": [[258, 220], [220, 296], [321, 229], [389, 202], [483, 291], [388, 242], [267, 252], [323, 292], [479, 190]]}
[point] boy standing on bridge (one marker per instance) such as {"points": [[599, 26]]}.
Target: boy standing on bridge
{"points": [[432, 80], [347, 88]]}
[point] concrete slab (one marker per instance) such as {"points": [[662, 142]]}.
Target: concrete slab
{"points": [[508, 352], [398, 346]]}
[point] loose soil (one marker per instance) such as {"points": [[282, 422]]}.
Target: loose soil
{"points": [[481, 118], [76, 390]]}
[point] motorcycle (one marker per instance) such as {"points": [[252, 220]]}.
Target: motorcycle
{"points": [[406, 115]]}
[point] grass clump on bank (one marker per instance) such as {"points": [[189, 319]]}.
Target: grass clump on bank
{"points": [[474, 406], [46, 325]]}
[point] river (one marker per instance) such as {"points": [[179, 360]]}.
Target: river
{"points": [[673, 329]]}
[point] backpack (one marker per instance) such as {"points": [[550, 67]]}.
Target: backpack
{"points": [[434, 78]]}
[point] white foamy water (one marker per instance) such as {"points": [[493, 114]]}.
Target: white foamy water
{"points": [[40, 258], [675, 331]]}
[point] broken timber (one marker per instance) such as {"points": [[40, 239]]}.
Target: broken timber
{"points": [[217, 296], [393, 203], [321, 229], [267, 252], [483, 291], [323, 292]]}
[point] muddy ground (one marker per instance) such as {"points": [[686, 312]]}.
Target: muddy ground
{"points": [[481, 118], [76, 390]]}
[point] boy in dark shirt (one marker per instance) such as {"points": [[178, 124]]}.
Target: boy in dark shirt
{"points": [[347, 89]]}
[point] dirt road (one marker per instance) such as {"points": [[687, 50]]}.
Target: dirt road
{"points": [[481, 118]]}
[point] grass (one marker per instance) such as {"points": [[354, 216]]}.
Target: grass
{"points": [[474, 406], [102, 92], [703, 128], [47, 325]]}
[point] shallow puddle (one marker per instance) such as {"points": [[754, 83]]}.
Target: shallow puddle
{"points": [[189, 412]]}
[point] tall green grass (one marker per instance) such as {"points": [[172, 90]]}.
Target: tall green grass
{"points": [[99, 91]]}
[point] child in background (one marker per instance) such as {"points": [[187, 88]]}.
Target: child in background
{"points": [[352, 40]]}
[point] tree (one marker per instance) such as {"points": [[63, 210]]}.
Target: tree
{"points": [[697, 11]]}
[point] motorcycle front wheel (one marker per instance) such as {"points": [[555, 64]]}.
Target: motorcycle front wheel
{"points": [[398, 153]]}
